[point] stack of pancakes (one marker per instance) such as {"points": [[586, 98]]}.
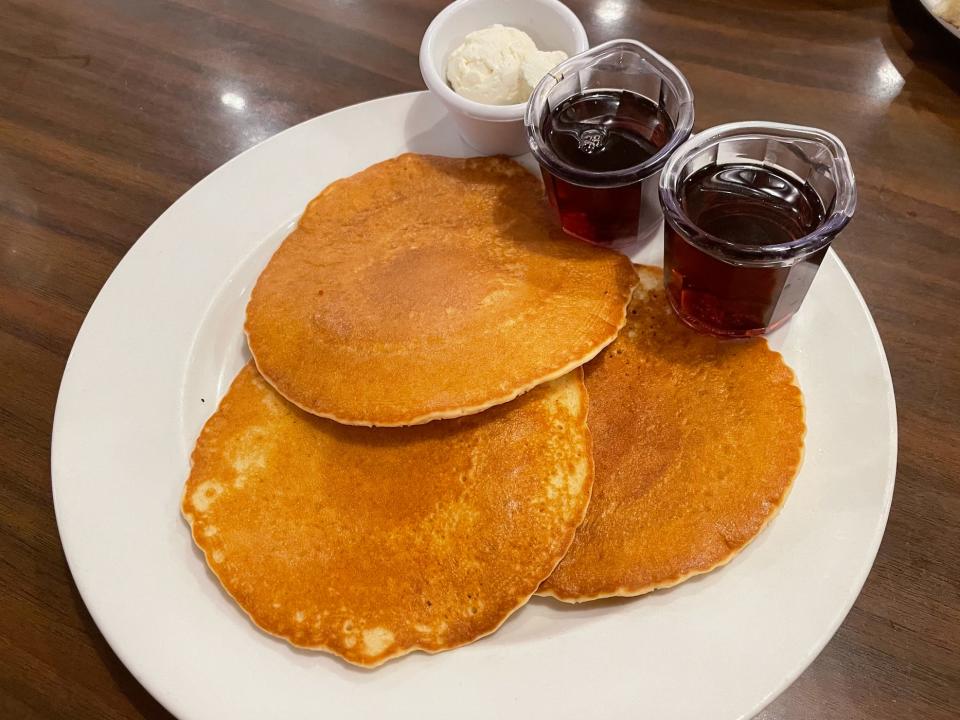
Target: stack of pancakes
{"points": [[452, 406]]}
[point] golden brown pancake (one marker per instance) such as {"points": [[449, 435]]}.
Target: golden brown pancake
{"points": [[427, 287], [696, 443], [373, 542]]}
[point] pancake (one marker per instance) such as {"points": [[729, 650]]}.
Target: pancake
{"points": [[373, 542], [425, 288], [696, 443]]}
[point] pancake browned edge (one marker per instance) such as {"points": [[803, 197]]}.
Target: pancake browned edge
{"points": [[697, 441], [371, 543], [425, 288]]}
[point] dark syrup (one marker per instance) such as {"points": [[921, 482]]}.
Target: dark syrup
{"points": [[750, 205], [602, 131]]}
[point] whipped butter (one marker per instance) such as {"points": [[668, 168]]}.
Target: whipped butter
{"points": [[499, 65]]}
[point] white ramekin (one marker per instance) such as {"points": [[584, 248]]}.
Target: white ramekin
{"points": [[493, 129]]}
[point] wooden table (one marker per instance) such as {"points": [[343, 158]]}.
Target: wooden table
{"points": [[110, 110]]}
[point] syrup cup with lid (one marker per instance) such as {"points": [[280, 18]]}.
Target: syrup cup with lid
{"points": [[616, 205], [735, 285]]}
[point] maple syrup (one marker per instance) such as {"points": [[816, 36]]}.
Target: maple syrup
{"points": [[605, 131], [745, 205], [601, 125]]}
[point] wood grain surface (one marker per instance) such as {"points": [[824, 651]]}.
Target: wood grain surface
{"points": [[110, 110]]}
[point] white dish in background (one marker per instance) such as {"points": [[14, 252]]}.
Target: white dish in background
{"points": [[162, 342], [931, 7], [493, 129]]}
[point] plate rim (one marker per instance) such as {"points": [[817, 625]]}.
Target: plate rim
{"points": [[890, 484]]}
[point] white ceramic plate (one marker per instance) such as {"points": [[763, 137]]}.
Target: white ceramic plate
{"points": [[931, 7], [162, 342]]}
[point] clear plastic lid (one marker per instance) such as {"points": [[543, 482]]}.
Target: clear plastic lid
{"points": [[812, 156], [616, 65]]}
